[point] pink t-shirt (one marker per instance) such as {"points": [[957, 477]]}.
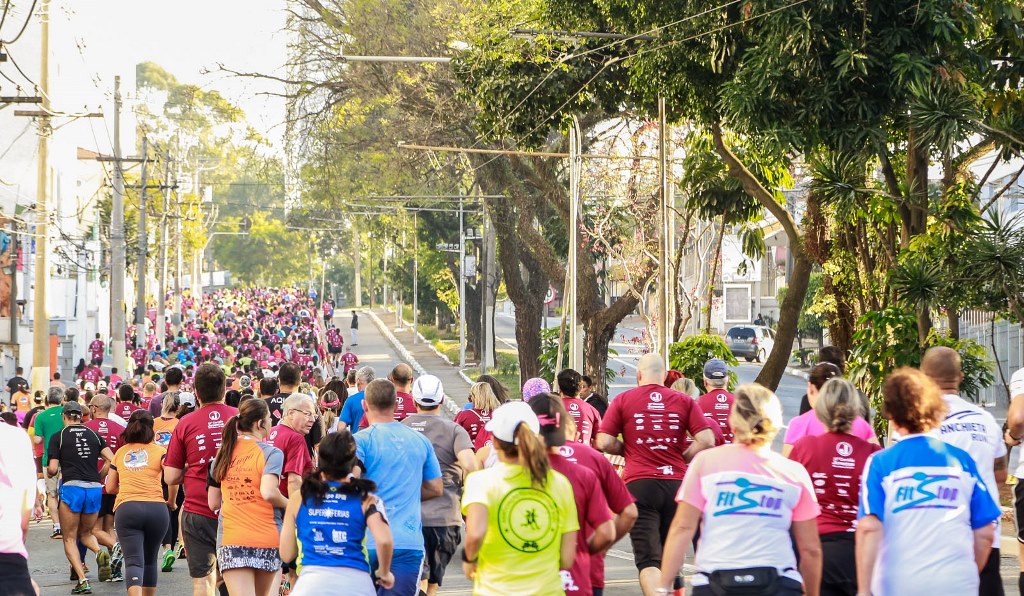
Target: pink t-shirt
{"points": [[808, 425], [749, 498], [296, 454]]}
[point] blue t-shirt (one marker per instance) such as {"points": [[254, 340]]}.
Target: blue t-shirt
{"points": [[399, 460], [330, 533], [352, 411], [929, 497]]}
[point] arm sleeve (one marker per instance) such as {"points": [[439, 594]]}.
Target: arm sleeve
{"points": [[298, 460], [274, 461], [210, 481], [872, 497], [431, 469], [462, 440], [612, 422]]}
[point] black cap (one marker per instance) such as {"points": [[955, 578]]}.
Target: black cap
{"points": [[551, 417], [72, 408]]}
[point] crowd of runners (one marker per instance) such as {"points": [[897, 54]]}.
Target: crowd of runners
{"points": [[252, 447]]}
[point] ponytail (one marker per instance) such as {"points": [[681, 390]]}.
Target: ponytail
{"points": [[337, 458], [531, 452]]}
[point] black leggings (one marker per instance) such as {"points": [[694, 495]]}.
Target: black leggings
{"points": [[140, 529], [171, 535]]}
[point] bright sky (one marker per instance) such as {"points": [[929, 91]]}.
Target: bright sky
{"points": [[186, 37]]}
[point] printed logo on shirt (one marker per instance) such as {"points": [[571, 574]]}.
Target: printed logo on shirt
{"points": [[134, 460], [568, 583], [921, 490], [749, 498], [566, 451], [844, 449], [214, 416], [722, 399], [163, 438], [528, 520]]}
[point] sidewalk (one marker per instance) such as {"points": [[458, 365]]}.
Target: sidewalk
{"points": [[455, 386]]}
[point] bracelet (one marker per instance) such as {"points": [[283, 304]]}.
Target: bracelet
{"points": [[465, 559], [663, 591]]}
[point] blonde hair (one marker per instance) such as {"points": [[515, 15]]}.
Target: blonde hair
{"points": [[686, 386], [483, 397], [756, 415], [838, 405]]}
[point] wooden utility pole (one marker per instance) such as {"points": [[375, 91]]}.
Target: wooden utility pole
{"points": [[143, 241], [117, 244], [40, 316]]}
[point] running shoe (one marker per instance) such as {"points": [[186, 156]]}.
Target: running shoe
{"points": [[168, 561], [181, 550], [103, 563], [116, 560], [74, 576], [56, 534], [116, 576], [82, 587]]}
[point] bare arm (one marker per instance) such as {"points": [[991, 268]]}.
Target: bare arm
{"points": [[173, 476], [602, 538], [869, 542], [213, 498], [476, 530], [113, 484], [431, 489], [609, 444], [704, 439], [808, 545], [567, 554], [289, 542], [467, 461], [680, 534], [294, 484], [983, 537], [1015, 419], [52, 466], [270, 490], [999, 468], [385, 547], [624, 521], [786, 450]]}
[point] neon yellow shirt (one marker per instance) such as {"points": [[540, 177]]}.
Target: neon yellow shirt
{"points": [[525, 524]]}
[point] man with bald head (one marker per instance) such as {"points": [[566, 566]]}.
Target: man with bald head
{"points": [[975, 431], [654, 422]]}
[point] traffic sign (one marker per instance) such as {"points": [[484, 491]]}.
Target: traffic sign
{"points": [[550, 296], [448, 246]]}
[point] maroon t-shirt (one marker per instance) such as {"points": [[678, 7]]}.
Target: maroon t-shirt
{"points": [[653, 421], [404, 406], [296, 454], [194, 443], [835, 462], [473, 420], [110, 431], [716, 405], [591, 510], [615, 492], [587, 419], [124, 409]]}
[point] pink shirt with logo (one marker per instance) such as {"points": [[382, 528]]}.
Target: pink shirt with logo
{"points": [[808, 425], [587, 419], [749, 498]]}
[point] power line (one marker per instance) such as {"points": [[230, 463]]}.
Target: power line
{"points": [[28, 18]]}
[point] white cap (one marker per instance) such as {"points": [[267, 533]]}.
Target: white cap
{"points": [[1017, 383], [427, 391], [90, 387], [507, 418], [187, 398]]}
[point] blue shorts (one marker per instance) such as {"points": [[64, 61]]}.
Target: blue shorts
{"points": [[82, 500], [406, 566]]}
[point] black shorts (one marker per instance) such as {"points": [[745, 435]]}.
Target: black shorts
{"points": [[656, 506], [838, 565], [991, 580], [440, 544], [14, 570], [200, 536], [107, 505], [334, 350], [1018, 508]]}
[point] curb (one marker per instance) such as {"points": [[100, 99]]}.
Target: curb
{"points": [[404, 354], [798, 373], [439, 354]]}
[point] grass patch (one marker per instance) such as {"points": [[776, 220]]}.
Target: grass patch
{"points": [[449, 348]]}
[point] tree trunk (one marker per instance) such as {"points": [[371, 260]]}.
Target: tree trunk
{"points": [[924, 325], [713, 276], [598, 334], [953, 317], [789, 315]]}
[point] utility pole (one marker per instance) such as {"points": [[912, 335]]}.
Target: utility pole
{"points": [[575, 163], [40, 316], [357, 265], [415, 278], [117, 244], [140, 298], [486, 305], [161, 286], [462, 288], [664, 279]]}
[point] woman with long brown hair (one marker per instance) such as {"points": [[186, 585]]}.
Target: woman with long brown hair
{"points": [[249, 532], [521, 518]]}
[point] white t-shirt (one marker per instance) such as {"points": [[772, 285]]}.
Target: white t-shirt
{"points": [[1017, 388], [975, 431], [17, 487]]}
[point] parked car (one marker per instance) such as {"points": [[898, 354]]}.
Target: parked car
{"points": [[751, 342]]}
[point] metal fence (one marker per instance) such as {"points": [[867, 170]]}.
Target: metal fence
{"points": [[1004, 342]]}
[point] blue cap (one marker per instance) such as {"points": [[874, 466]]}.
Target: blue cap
{"points": [[716, 368]]}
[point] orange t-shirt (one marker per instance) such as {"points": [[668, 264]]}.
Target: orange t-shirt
{"points": [[164, 427], [23, 402], [139, 470], [246, 518]]}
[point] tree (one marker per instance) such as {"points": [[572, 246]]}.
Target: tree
{"points": [[271, 255]]}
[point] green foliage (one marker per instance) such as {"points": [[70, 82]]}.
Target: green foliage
{"points": [[549, 355], [690, 355], [271, 255], [811, 322], [888, 339]]}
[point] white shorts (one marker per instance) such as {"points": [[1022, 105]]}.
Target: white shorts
{"points": [[316, 581]]}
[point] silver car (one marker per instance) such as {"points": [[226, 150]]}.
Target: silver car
{"points": [[750, 342]]}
